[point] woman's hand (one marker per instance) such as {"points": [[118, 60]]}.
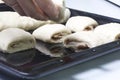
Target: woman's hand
{"points": [[38, 9]]}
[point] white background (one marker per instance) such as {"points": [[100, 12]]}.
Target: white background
{"points": [[95, 6]]}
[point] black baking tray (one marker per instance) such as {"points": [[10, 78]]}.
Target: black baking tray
{"points": [[33, 64]]}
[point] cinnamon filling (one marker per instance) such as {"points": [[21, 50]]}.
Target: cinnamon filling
{"points": [[82, 47], [90, 28], [69, 41], [57, 36], [117, 37]]}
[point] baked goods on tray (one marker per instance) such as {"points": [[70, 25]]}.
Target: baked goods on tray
{"points": [[82, 40], [15, 39], [9, 19], [51, 33], [108, 32], [81, 23]]}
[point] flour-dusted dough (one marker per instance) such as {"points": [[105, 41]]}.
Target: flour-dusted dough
{"points": [[51, 33], [65, 13], [81, 23], [65, 16], [10, 19], [82, 40], [28, 23], [108, 32], [15, 39]]}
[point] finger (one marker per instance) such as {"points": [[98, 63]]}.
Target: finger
{"points": [[18, 9], [31, 10], [49, 8], [15, 6], [10, 2]]}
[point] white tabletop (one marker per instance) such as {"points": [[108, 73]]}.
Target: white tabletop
{"points": [[101, 7]]}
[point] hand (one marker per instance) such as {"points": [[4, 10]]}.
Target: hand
{"points": [[38, 9]]}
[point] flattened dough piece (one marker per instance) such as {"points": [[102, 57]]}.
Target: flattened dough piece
{"points": [[81, 23], [10, 19], [51, 33], [82, 40], [15, 39]]}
